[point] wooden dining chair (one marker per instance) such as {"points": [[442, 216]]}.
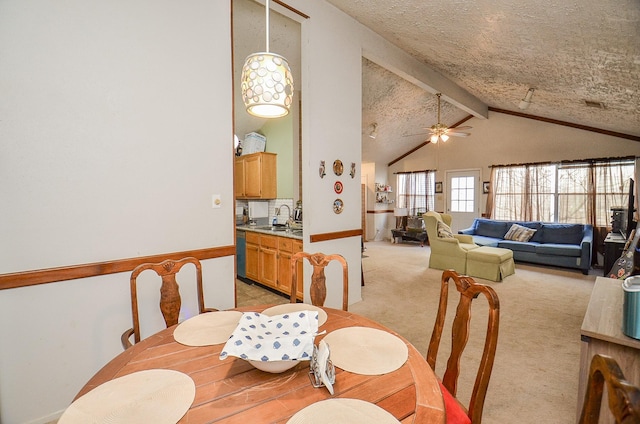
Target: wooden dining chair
{"points": [[170, 300], [469, 290], [623, 397], [318, 288]]}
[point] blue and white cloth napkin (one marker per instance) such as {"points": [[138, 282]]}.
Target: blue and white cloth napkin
{"points": [[285, 337]]}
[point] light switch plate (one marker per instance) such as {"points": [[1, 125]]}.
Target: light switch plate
{"points": [[216, 201]]}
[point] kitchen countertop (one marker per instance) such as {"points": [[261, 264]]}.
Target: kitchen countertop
{"points": [[268, 229]]}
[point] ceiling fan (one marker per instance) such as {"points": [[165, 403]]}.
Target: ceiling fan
{"points": [[440, 132]]}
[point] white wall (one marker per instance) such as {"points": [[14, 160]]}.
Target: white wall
{"points": [[331, 115], [506, 139], [115, 122]]}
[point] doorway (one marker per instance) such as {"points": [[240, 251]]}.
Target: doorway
{"points": [[463, 196]]}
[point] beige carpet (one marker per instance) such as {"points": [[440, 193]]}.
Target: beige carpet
{"points": [[535, 376]]}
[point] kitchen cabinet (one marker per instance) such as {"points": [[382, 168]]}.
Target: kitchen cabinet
{"points": [[255, 176], [252, 255], [297, 247], [268, 261], [286, 249]]}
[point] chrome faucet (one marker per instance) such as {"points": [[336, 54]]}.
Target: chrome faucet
{"points": [[288, 215]]}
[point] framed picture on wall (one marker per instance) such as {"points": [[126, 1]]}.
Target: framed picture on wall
{"points": [[439, 187], [485, 187]]}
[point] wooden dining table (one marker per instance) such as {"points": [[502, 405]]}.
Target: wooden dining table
{"points": [[233, 391]]}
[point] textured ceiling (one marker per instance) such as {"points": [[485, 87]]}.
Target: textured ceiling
{"points": [[569, 51]]}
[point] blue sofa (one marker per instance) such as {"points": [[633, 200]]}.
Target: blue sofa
{"points": [[563, 245]]}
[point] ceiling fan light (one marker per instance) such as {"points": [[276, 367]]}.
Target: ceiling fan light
{"points": [[444, 137], [434, 139]]}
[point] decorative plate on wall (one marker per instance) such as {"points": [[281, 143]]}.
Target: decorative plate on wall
{"points": [[338, 167], [338, 205], [337, 187]]}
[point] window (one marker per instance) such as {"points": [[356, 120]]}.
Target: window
{"points": [[575, 192], [462, 194], [416, 191]]}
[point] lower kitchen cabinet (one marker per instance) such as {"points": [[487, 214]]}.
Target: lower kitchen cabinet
{"points": [[252, 255], [286, 248], [268, 261]]}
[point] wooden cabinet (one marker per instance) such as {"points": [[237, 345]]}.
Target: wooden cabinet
{"points": [[256, 176], [601, 333], [286, 248], [252, 255], [297, 247], [268, 261]]}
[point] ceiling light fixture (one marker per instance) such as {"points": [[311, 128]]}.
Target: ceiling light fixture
{"points": [[267, 83], [524, 103], [374, 131], [438, 131]]}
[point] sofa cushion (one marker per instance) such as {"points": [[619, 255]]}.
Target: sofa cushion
{"points": [[518, 246], [562, 233], [487, 228], [559, 249], [519, 233], [486, 241], [444, 231]]}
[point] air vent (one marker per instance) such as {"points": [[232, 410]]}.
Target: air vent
{"points": [[591, 103]]}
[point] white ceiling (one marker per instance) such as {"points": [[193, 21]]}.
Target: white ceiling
{"points": [[569, 51]]}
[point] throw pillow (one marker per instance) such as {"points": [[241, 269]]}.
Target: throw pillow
{"points": [[519, 233], [444, 231]]}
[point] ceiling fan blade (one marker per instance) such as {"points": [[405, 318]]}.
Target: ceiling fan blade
{"points": [[458, 134], [411, 135]]}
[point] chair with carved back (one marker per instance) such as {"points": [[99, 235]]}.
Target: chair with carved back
{"points": [[468, 290], [170, 300], [623, 397], [318, 288]]}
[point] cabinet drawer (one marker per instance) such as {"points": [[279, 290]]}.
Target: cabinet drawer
{"points": [[285, 244], [252, 237], [269, 241]]}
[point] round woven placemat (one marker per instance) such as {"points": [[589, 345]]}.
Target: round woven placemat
{"points": [[207, 329], [352, 411], [295, 307], [150, 396], [367, 351]]}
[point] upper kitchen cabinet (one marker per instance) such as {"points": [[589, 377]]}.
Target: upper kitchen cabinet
{"points": [[256, 176]]}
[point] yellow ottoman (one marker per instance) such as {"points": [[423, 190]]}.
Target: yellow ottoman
{"points": [[490, 263]]}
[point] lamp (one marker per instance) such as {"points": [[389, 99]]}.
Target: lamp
{"points": [[524, 103], [267, 83], [374, 131], [401, 217]]}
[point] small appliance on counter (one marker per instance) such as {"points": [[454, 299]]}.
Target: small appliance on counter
{"points": [[297, 212], [631, 307]]}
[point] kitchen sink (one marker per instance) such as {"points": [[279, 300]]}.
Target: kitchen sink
{"points": [[280, 228]]}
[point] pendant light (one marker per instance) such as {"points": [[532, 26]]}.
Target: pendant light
{"points": [[267, 83]]}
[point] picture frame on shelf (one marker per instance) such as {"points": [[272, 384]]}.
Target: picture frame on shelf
{"points": [[438, 186], [485, 187]]}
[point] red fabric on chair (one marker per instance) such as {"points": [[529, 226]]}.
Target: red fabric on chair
{"points": [[455, 413]]}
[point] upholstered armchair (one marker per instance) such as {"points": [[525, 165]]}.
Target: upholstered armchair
{"points": [[448, 251]]}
